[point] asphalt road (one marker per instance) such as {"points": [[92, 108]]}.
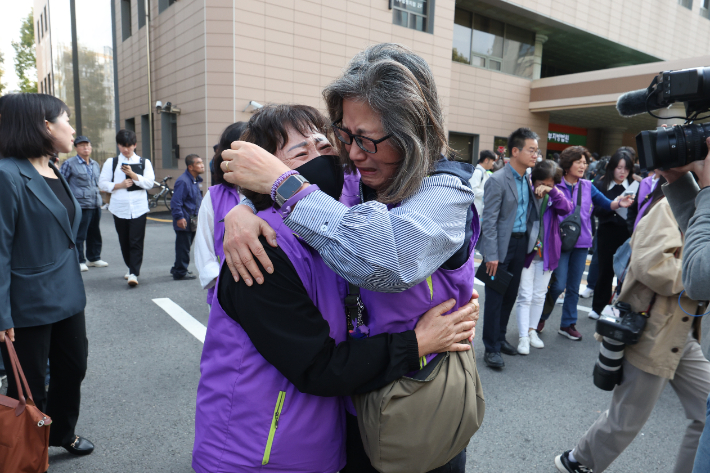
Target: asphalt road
{"points": [[138, 399]]}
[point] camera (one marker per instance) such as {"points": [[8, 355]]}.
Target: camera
{"points": [[624, 328], [666, 148]]}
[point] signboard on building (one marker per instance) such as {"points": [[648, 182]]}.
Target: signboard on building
{"points": [[560, 137]]}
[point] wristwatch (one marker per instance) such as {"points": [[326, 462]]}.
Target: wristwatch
{"points": [[289, 188]]}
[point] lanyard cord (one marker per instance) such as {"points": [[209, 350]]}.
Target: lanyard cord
{"points": [[681, 307]]}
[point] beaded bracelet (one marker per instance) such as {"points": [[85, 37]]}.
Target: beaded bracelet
{"points": [[280, 181]]}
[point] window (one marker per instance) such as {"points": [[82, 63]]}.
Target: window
{"points": [[705, 9], [464, 146], [141, 13], [38, 32], [412, 14], [686, 3], [168, 138], [500, 145], [41, 30], [46, 27], [130, 124], [126, 19], [164, 4], [145, 136], [489, 43]]}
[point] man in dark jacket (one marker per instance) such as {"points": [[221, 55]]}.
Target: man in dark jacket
{"points": [[82, 174], [185, 205]]}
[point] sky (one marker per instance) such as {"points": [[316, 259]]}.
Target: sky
{"points": [[13, 12]]}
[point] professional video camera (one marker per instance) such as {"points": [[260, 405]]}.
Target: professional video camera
{"points": [[624, 328], [675, 146]]}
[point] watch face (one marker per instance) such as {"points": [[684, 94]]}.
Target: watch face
{"points": [[289, 187]]}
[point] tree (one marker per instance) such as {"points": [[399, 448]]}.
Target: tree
{"points": [[2, 71], [25, 62]]}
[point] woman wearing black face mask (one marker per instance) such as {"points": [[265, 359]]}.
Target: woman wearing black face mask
{"points": [[281, 346]]}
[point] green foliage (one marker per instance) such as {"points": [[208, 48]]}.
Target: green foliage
{"points": [[25, 62], [458, 57]]}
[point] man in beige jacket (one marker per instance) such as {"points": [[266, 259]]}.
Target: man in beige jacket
{"points": [[668, 352]]}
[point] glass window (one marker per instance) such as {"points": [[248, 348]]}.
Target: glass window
{"points": [[126, 18], [141, 13], [488, 36], [410, 13], [462, 36], [145, 136], [463, 146], [686, 3], [168, 138], [130, 124], [164, 4], [500, 145]]}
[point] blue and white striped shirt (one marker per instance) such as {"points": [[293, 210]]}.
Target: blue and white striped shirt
{"points": [[381, 250]]}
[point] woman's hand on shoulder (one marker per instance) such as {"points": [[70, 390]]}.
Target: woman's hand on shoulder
{"points": [[241, 244]]}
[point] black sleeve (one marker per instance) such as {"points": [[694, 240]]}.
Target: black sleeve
{"points": [[289, 331]]}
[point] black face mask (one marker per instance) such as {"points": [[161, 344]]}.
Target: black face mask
{"points": [[326, 172]]}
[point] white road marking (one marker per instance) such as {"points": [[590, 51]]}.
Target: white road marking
{"points": [[188, 322]]}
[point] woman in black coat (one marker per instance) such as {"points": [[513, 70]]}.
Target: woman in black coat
{"points": [[39, 220], [612, 231]]}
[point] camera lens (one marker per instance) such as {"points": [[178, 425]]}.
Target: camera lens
{"points": [[672, 147]]}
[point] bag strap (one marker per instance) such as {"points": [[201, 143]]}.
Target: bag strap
{"points": [[114, 164], [578, 210], [543, 207], [19, 375], [353, 306]]}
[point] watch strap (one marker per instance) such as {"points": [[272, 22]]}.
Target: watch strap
{"points": [[280, 198], [287, 207]]}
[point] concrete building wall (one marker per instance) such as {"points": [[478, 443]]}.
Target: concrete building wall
{"points": [[178, 76], [639, 24]]}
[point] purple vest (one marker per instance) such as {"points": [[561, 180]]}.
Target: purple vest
{"points": [[224, 199], [249, 416], [585, 237], [557, 205], [645, 188]]}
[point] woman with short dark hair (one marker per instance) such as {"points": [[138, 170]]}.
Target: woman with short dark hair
{"points": [[39, 221], [568, 275]]}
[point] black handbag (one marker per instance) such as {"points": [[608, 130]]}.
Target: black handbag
{"points": [[571, 227]]}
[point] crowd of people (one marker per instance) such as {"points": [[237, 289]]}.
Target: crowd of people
{"points": [[329, 248]]}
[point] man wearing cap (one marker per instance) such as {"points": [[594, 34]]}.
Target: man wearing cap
{"points": [[82, 175]]}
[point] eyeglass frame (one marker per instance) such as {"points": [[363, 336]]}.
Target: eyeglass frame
{"points": [[357, 139]]}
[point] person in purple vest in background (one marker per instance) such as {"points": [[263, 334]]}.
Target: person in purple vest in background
{"points": [[220, 198], [568, 275], [543, 260], [273, 352], [643, 199], [405, 239]]}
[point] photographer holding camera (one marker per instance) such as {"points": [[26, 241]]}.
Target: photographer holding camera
{"points": [[667, 350]]}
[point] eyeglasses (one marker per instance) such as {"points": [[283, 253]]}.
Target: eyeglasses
{"points": [[366, 144]]}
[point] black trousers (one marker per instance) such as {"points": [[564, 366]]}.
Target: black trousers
{"points": [[131, 234], [497, 307], [609, 238], [65, 344], [183, 242], [358, 462], [89, 232]]}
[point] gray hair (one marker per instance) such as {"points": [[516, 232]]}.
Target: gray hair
{"points": [[399, 86]]}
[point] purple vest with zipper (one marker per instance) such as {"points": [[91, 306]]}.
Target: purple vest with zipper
{"points": [[585, 237], [223, 199], [552, 243], [249, 416], [645, 188]]}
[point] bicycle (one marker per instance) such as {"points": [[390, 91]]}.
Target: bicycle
{"points": [[166, 193]]}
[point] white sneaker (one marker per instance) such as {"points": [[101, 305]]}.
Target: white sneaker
{"points": [[83, 267], [98, 263], [524, 346], [593, 315], [127, 275], [587, 293], [132, 280], [561, 299], [535, 341]]}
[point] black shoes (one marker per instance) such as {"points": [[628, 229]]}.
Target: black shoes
{"points": [[507, 348], [185, 277], [493, 360], [565, 465], [80, 446]]}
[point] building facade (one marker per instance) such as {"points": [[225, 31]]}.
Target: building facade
{"points": [[556, 66]]}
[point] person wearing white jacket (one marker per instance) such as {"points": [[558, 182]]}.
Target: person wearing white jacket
{"points": [[480, 176]]}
